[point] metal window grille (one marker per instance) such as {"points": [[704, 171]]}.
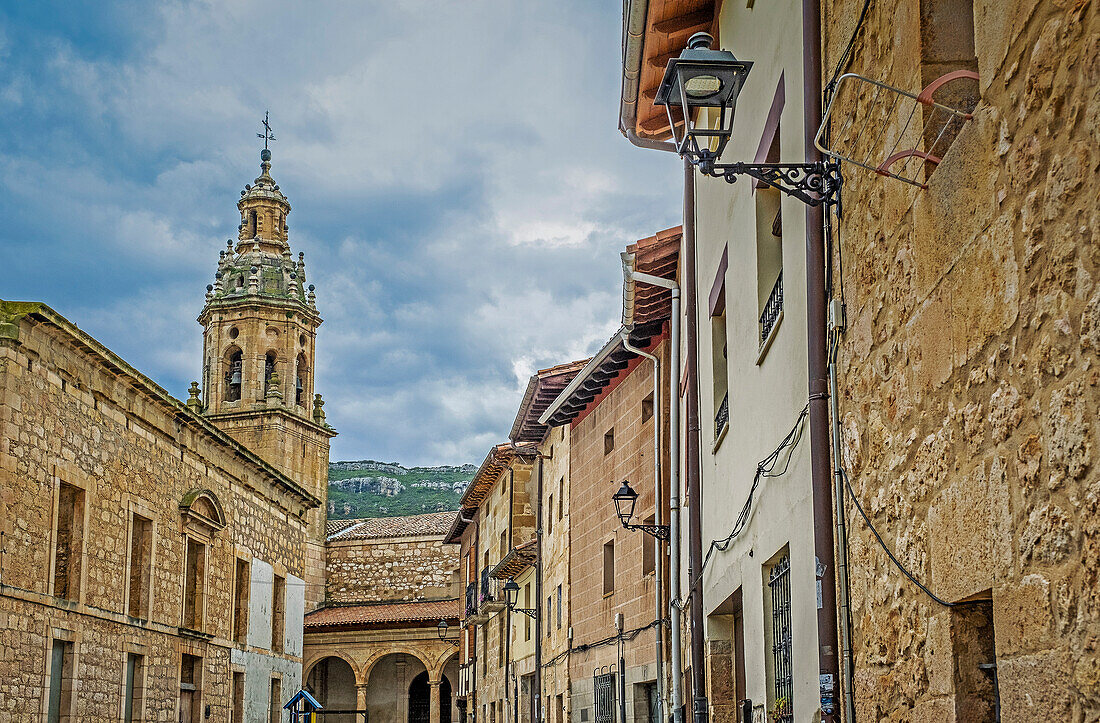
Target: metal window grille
{"points": [[723, 417], [603, 693], [779, 583], [772, 310]]}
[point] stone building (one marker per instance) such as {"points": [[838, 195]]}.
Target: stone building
{"points": [[611, 408], [553, 621], [375, 645], [158, 555], [152, 566], [968, 371], [495, 531]]}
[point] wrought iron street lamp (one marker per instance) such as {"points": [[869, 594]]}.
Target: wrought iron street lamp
{"points": [[441, 628], [702, 78], [511, 597], [624, 500]]}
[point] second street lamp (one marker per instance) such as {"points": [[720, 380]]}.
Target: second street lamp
{"points": [[441, 628], [511, 597], [624, 500], [701, 78]]}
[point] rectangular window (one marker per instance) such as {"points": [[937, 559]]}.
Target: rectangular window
{"points": [[769, 252], [548, 608], [500, 640], [720, 370], [242, 586], [68, 542], [550, 516], [777, 640], [609, 441], [527, 618], [141, 562], [133, 706], [975, 657], [561, 496], [609, 567], [194, 593], [559, 607], [190, 703], [647, 408], [649, 549], [276, 700], [60, 705], [278, 614], [947, 45], [237, 694]]}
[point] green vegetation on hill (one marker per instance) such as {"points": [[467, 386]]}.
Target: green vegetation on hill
{"points": [[367, 488]]}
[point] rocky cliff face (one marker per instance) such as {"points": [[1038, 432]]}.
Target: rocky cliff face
{"points": [[367, 488]]}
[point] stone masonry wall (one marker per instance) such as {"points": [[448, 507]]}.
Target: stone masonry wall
{"points": [[392, 568], [969, 375], [66, 416]]}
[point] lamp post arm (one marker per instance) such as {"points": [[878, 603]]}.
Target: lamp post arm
{"points": [[529, 612]]}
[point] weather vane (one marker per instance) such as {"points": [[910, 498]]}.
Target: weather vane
{"points": [[267, 135]]}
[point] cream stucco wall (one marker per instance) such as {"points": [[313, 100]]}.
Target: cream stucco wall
{"points": [[766, 392]]}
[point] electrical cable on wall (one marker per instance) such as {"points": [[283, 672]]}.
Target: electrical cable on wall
{"points": [[584, 647], [765, 468]]}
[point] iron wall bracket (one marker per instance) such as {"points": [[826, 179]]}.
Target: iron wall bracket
{"points": [[659, 531], [811, 183]]}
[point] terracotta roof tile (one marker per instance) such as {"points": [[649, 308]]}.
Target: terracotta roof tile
{"points": [[542, 389], [379, 613], [432, 523]]}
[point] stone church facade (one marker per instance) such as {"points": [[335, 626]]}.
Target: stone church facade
{"points": [[157, 556]]}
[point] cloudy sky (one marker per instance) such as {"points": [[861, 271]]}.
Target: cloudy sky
{"points": [[459, 187]]}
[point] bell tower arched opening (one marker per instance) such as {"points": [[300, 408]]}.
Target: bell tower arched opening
{"points": [[234, 374]]}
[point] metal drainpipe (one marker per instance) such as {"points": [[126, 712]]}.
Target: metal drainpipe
{"points": [[820, 465], [658, 519], [674, 613], [844, 614], [540, 613], [699, 704]]}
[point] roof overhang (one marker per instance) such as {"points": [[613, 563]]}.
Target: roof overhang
{"points": [[654, 32]]}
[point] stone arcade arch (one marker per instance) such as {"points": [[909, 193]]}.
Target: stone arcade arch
{"points": [[332, 680]]}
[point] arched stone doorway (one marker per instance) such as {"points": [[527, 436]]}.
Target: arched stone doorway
{"points": [[332, 681], [389, 685], [420, 697]]}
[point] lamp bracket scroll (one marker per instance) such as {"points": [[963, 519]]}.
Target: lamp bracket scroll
{"points": [[811, 183]]}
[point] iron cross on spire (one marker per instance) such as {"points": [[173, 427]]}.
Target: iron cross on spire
{"points": [[267, 135]]}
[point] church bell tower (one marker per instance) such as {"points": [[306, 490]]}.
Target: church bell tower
{"points": [[259, 333]]}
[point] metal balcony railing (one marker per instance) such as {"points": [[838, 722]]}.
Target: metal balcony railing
{"points": [[772, 310], [471, 599], [722, 418]]}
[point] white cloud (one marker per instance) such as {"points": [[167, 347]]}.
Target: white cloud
{"points": [[457, 178]]}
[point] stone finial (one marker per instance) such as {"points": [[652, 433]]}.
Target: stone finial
{"points": [[318, 412], [254, 281], [209, 292], [312, 295], [193, 401], [274, 393]]}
